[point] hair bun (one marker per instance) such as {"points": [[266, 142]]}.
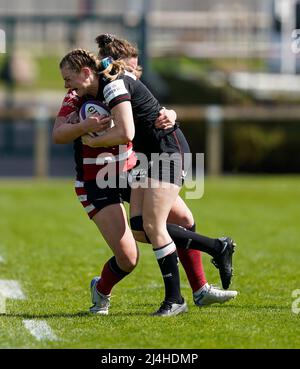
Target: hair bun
{"points": [[105, 39]]}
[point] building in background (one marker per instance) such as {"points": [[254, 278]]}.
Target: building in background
{"points": [[211, 28]]}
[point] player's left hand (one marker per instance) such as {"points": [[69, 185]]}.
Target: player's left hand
{"points": [[165, 120]]}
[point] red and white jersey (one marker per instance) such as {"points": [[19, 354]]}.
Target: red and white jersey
{"points": [[114, 159], [71, 102], [90, 161]]}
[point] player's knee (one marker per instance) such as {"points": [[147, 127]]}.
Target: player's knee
{"points": [[147, 225], [152, 228], [186, 220]]}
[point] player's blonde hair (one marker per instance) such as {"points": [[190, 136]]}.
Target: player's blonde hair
{"points": [[79, 58], [114, 69]]}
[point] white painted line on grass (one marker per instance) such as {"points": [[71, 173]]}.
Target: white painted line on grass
{"points": [[11, 289], [40, 330], [2, 259], [2, 304]]}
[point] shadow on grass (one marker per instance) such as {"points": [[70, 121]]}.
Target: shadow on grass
{"points": [[47, 316], [80, 314], [247, 307], [150, 309], [137, 309]]}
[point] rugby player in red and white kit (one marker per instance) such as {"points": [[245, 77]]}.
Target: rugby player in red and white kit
{"points": [[104, 206]]}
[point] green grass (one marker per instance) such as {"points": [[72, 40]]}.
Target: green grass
{"points": [[53, 250], [48, 75]]}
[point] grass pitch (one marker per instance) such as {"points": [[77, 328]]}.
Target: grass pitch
{"points": [[53, 250]]}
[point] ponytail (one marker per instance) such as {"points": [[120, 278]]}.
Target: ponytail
{"points": [[111, 69]]}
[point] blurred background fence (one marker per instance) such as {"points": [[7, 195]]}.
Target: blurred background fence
{"points": [[228, 67]]}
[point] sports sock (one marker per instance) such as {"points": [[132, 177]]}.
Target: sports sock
{"points": [[111, 275], [168, 263], [183, 238], [191, 261]]}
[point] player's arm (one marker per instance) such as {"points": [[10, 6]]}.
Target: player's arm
{"points": [[67, 126], [121, 133], [64, 132]]}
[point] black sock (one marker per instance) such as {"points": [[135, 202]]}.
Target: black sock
{"points": [[168, 262], [186, 239]]}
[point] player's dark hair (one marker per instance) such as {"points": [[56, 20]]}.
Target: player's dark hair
{"points": [[118, 49]]}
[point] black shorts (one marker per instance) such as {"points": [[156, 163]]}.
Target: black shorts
{"points": [[169, 165], [94, 198]]}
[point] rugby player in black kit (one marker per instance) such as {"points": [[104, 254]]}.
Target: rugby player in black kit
{"points": [[134, 111]]}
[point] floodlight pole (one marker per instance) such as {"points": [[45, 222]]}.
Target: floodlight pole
{"points": [[9, 83], [145, 38], [214, 147], [41, 143], [287, 13]]}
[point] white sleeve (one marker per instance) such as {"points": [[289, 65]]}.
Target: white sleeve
{"points": [[115, 90]]}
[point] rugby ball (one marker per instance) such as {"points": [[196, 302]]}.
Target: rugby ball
{"points": [[94, 107]]}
